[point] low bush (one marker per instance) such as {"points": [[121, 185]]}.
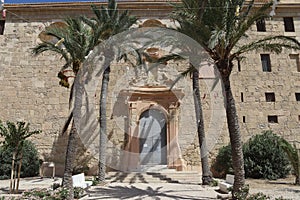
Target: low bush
{"points": [[222, 165], [262, 156], [48, 194], [30, 162]]}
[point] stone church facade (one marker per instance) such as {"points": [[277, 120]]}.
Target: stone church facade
{"points": [[143, 114]]}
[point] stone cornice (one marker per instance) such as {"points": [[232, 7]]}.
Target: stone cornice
{"points": [[141, 9], [56, 11]]}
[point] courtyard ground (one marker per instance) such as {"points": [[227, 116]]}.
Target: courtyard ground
{"points": [[276, 188], [159, 191]]}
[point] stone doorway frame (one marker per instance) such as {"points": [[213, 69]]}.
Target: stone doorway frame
{"points": [[161, 98]]}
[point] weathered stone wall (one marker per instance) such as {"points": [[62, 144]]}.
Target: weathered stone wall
{"points": [[283, 81], [29, 91], [29, 87]]}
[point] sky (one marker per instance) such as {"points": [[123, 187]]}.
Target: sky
{"points": [[47, 1]]}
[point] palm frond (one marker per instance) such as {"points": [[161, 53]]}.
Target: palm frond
{"points": [[183, 74], [271, 44], [110, 21], [246, 20], [291, 152]]}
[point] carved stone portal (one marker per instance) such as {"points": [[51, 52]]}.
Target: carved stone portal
{"points": [[163, 106]]}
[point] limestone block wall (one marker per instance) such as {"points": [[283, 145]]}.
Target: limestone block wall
{"points": [[250, 85], [29, 87], [29, 91]]}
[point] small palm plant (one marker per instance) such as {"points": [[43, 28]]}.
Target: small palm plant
{"points": [[14, 138], [293, 155]]}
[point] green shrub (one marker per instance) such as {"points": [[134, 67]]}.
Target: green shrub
{"points": [[262, 156], [48, 194], [78, 192], [223, 162], [30, 162], [40, 193], [258, 196]]}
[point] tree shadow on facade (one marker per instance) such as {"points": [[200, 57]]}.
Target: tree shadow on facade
{"points": [[58, 153]]}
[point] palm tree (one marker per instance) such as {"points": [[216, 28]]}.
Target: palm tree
{"points": [[219, 28], [73, 41], [206, 174], [294, 157], [194, 73], [108, 22]]}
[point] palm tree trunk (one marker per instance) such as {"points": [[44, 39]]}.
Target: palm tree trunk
{"points": [[12, 172], [297, 180], [206, 174], [19, 171], [103, 126], [69, 162], [235, 138]]}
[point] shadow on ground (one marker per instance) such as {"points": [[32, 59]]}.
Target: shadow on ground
{"points": [[128, 192]]}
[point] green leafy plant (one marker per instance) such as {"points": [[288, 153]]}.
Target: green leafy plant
{"points": [[258, 196], [214, 183], [78, 192], [63, 193], [40, 193], [264, 158], [242, 193], [262, 155], [48, 194], [223, 163], [293, 155], [95, 181], [15, 135], [30, 162]]}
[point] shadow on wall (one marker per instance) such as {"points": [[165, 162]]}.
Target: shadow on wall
{"points": [[84, 161]]}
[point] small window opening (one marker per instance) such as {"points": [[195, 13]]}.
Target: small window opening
{"points": [[244, 119], [297, 95], [288, 24], [242, 97], [272, 118], [266, 62], [2, 25], [270, 96], [295, 61], [239, 65], [261, 25]]}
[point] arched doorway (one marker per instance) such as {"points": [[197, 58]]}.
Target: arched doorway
{"points": [[153, 137]]}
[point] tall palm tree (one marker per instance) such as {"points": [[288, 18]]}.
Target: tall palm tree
{"points": [[206, 174], [219, 28], [194, 73], [73, 41], [108, 22]]}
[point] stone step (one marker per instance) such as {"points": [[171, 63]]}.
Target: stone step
{"points": [[153, 168], [133, 177], [179, 177], [155, 177]]}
